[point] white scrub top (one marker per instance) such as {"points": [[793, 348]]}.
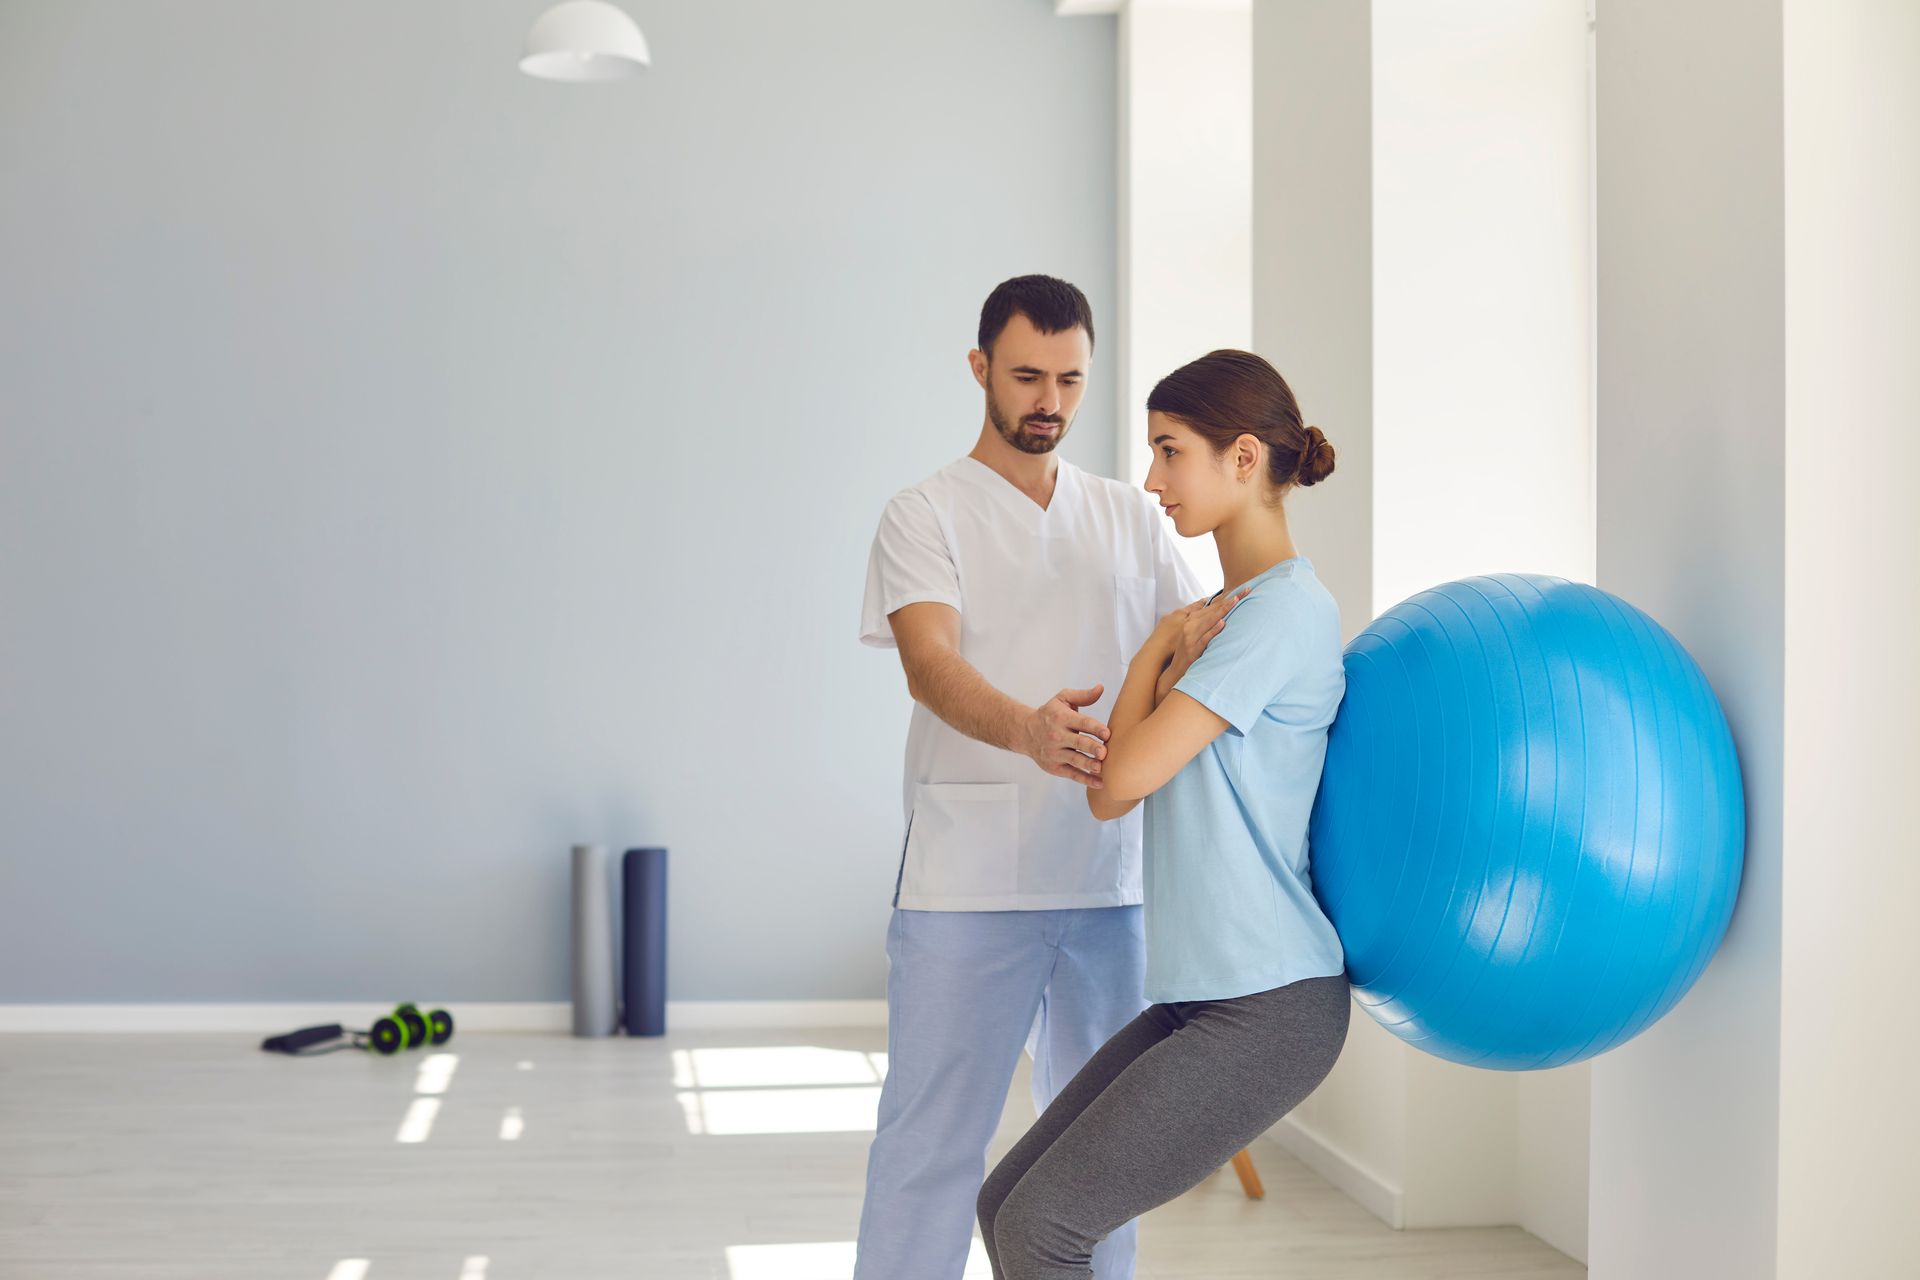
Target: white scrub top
{"points": [[1048, 600]]}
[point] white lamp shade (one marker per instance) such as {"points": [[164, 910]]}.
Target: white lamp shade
{"points": [[585, 40]]}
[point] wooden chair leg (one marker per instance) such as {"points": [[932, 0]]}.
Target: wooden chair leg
{"points": [[1249, 1178]]}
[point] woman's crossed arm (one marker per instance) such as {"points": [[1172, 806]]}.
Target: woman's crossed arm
{"points": [[1155, 731]]}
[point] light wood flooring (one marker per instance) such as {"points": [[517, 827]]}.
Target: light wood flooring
{"points": [[696, 1156]]}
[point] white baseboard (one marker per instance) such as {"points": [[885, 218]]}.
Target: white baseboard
{"points": [[714, 1015], [1365, 1187], [554, 1016]]}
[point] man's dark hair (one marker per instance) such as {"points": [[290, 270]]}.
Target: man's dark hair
{"points": [[1052, 306]]}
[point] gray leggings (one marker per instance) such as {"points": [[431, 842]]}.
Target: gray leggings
{"points": [[1172, 1097]]}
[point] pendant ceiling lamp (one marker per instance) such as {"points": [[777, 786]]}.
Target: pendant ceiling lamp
{"points": [[585, 40]]}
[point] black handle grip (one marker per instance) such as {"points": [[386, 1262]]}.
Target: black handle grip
{"points": [[295, 1041]]}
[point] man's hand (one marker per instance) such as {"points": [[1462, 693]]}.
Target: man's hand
{"points": [[1063, 742]]}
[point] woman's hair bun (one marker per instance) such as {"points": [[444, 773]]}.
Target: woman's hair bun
{"points": [[1316, 459]]}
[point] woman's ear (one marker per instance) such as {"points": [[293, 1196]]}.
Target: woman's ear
{"points": [[1246, 456]]}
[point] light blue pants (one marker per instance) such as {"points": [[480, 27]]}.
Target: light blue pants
{"points": [[965, 990]]}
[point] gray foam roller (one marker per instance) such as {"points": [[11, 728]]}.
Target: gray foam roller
{"points": [[595, 1012]]}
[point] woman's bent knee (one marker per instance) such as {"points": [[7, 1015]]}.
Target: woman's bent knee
{"points": [[1033, 1235], [986, 1206]]}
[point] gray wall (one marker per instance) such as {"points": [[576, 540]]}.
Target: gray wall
{"points": [[408, 468], [1691, 493]]}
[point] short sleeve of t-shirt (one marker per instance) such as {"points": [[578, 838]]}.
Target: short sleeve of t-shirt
{"points": [[1246, 666], [910, 563]]}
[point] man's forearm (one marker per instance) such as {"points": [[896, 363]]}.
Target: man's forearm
{"points": [[953, 689]]}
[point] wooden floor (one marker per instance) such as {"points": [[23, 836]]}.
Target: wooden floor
{"points": [[716, 1156]]}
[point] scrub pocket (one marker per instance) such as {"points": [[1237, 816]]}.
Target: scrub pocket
{"points": [[964, 841]]}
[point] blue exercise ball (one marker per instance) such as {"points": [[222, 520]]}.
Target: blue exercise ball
{"points": [[1530, 829]]}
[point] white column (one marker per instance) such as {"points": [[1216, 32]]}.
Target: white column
{"points": [[1692, 326], [1760, 179]]}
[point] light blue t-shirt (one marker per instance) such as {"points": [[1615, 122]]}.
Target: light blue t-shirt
{"points": [[1229, 911]]}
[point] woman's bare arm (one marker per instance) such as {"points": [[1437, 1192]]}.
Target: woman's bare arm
{"points": [[1156, 731]]}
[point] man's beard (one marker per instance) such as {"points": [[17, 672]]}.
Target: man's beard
{"points": [[1017, 435]]}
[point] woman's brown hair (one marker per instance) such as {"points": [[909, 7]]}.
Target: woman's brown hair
{"points": [[1228, 394]]}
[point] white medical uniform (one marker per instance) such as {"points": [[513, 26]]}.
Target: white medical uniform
{"points": [[1048, 599], [1017, 917]]}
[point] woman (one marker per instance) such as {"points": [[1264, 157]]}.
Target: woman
{"points": [[1222, 726]]}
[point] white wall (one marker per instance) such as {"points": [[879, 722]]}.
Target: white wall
{"points": [[1313, 318], [1691, 488], [1482, 347], [1462, 382], [1313, 266], [1851, 872], [1186, 218], [409, 469], [1484, 453]]}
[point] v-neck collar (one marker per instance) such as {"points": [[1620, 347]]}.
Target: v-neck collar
{"points": [[1013, 492]]}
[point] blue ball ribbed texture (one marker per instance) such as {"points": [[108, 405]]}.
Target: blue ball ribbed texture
{"points": [[1529, 832]]}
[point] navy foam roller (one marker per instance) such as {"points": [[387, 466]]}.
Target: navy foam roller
{"points": [[1530, 829], [644, 940]]}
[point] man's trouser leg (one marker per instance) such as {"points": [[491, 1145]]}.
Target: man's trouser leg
{"points": [[962, 991], [1098, 986]]}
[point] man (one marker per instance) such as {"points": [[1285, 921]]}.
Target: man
{"points": [[1017, 588]]}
